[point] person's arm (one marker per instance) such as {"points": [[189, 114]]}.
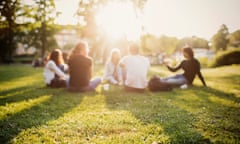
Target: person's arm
{"points": [[201, 78], [174, 69], [120, 74], [91, 69], [52, 66], [107, 70], [200, 75], [66, 68], [121, 62]]}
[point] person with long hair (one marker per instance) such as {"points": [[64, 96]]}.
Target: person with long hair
{"points": [[54, 70], [191, 68], [112, 71], [80, 70]]}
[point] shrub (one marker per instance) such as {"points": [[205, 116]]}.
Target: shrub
{"points": [[204, 61], [25, 58], [226, 58]]}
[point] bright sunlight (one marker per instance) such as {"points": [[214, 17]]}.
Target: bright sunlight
{"points": [[118, 19], [67, 11]]}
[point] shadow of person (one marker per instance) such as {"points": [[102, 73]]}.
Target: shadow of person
{"points": [[157, 110], [219, 114], [17, 94], [53, 104]]}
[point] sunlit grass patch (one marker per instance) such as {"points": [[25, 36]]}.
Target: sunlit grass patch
{"points": [[12, 108], [30, 112]]}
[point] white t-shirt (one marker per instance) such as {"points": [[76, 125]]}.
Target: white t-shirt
{"points": [[51, 69], [136, 67]]}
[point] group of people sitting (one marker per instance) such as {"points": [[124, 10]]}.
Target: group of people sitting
{"points": [[130, 70]]}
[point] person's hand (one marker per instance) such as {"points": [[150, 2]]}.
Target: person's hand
{"points": [[167, 61]]}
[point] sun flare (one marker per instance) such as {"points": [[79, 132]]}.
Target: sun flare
{"points": [[118, 19]]}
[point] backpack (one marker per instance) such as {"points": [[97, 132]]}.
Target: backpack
{"points": [[155, 84]]}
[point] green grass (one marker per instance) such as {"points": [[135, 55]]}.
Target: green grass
{"points": [[33, 113]]}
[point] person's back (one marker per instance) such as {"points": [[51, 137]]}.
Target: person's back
{"points": [[80, 68], [191, 68], [136, 68]]}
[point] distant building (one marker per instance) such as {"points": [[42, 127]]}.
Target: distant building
{"points": [[24, 49], [65, 37]]}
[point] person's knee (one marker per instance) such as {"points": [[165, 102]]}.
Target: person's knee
{"points": [[98, 80]]}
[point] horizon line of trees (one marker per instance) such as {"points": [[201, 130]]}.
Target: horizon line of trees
{"points": [[33, 25]]}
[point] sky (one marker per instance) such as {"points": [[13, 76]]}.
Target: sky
{"points": [[191, 17], [179, 18]]}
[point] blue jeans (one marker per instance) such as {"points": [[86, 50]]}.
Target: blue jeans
{"points": [[175, 80], [92, 84]]}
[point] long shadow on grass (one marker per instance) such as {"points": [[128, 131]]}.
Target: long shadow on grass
{"points": [[12, 72], [219, 115], [157, 109], [59, 102], [17, 94]]}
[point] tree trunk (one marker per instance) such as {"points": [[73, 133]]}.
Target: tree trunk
{"points": [[43, 39]]}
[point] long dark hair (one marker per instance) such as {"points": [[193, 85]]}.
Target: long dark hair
{"points": [[189, 51], [56, 56]]}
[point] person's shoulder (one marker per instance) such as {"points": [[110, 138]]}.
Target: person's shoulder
{"points": [[89, 58], [124, 58], [50, 63], [108, 63], [196, 60], [65, 66], [145, 58], [184, 61]]}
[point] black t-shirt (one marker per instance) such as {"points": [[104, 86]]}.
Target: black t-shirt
{"points": [[80, 71], [191, 67]]}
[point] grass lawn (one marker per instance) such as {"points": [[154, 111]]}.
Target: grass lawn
{"points": [[33, 113]]}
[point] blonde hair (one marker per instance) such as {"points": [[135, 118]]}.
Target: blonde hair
{"points": [[79, 48], [114, 51]]}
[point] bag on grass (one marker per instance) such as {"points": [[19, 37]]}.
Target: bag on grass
{"points": [[155, 84], [58, 83]]}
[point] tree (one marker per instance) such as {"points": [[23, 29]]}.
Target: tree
{"points": [[234, 39], [149, 44], [220, 39], [87, 11], [194, 42], [199, 42], [8, 26], [45, 14], [29, 24]]}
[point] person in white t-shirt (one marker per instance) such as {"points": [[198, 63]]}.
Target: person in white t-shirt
{"points": [[54, 70], [136, 69]]}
